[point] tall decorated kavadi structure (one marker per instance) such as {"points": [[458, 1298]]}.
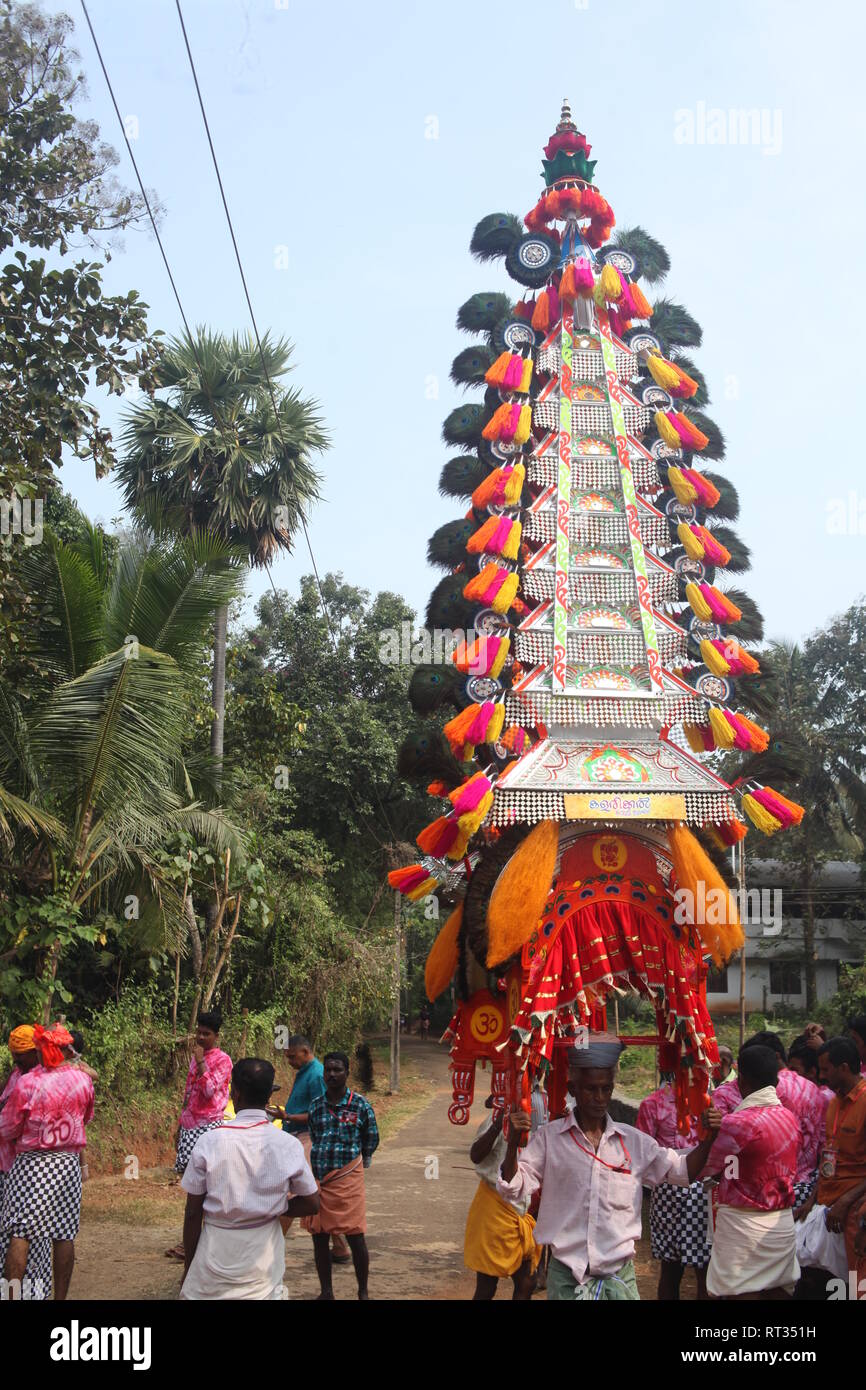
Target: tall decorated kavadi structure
{"points": [[566, 742]]}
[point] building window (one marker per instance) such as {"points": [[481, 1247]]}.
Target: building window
{"points": [[717, 981], [785, 977]]}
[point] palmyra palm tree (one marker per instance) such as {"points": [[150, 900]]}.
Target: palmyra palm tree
{"points": [[215, 455]]}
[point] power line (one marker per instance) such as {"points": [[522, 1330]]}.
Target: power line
{"points": [[197, 357], [263, 361]]}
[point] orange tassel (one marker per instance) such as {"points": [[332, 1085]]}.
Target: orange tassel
{"points": [[438, 788], [494, 375], [541, 314], [477, 542], [442, 960], [498, 421], [760, 737], [643, 308]]}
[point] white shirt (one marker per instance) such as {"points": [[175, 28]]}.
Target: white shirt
{"points": [[590, 1214], [488, 1168], [247, 1171]]}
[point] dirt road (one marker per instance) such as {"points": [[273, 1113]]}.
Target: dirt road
{"points": [[419, 1188]]}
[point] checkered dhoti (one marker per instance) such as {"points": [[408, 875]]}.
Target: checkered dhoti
{"points": [[803, 1188], [42, 1195], [187, 1141], [679, 1224], [36, 1284]]}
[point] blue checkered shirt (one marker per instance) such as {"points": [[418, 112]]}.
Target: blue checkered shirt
{"points": [[340, 1132]]}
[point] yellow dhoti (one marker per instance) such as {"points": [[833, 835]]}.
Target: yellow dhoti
{"points": [[498, 1238]]}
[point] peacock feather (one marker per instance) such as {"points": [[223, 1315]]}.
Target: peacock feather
{"points": [[464, 425], [741, 555], [447, 608], [427, 755], [482, 311], [447, 546], [702, 395], [674, 326], [750, 628], [433, 686], [470, 366], [728, 506], [653, 261], [716, 447], [495, 235], [462, 475]]}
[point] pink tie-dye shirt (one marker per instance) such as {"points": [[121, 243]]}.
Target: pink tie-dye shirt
{"points": [[207, 1096], [765, 1140], [806, 1102], [7, 1146], [48, 1109], [657, 1117]]}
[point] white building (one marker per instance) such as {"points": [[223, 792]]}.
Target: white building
{"points": [[775, 973]]}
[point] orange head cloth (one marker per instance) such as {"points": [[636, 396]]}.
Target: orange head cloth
{"points": [[50, 1043], [21, 1039]]}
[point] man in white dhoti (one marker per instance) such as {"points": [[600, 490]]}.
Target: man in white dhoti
{"points": [[244, 1182]]}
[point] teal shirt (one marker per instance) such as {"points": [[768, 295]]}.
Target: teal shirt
{"points": [[309, 1085]]}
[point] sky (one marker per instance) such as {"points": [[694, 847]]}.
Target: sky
{"points": [[360, 144]]}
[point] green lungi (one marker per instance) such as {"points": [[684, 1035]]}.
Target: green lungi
{"points": [[620, 1287]]}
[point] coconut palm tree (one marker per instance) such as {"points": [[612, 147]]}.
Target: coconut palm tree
{"points": [[212, 454], [92, 782]]}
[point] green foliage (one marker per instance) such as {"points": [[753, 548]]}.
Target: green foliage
{"points": [[59, 332], [212, 455]]}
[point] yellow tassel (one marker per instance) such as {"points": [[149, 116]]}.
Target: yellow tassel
{"points": [[698, 603], [511, 548], [514, 486], [696, 873], [501, 655], [692, 733], [520, 893], [506, 595], [422, 891], [442, 959], [689, 542], [458, 849], [598, 294], [471, 821], [662, 373], [759, 816], [524, 425], [722, 731], [526, 378], [683, 489], [610, 283], [494, 728], [667, 431], [713, 659]]}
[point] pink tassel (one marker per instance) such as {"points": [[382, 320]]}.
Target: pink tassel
{"points": [[470, 795], [717, 609], [583, 277], [626, 304], [509, 429], [555, 306], [478, 728], [513, 374], [742, 737], [771, 803]]}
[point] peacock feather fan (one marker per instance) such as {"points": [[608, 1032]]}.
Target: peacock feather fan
{"points": [[470, 365], [462, 475], [447, 546], [426, 755], [750, 628], [702, 395], [495, 235], [433, 686], [653, 261], [674, 326], [464, 425], [728, 506], [447, 608], [741, 555], [480, 313], [716, 447]]}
